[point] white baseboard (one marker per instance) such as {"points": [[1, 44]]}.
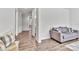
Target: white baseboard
{"points": [[44, 38], [39, 41], [17, 34]]}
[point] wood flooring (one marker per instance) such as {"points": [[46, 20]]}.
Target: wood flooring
{"points": [[28, 43]]}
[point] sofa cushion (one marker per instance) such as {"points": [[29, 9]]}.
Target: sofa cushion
{"points": [[69, 35], [11, 36], [70, 30], [8, 39]]}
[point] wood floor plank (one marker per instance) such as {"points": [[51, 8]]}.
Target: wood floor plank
{"points": [[26, 41]]}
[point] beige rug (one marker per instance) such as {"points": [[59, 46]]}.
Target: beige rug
{"points": [[73, 46]]}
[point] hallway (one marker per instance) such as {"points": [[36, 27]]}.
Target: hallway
{"points": [[27, 43]]}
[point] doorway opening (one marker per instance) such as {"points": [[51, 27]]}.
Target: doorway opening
{"points": [[26, 28]]}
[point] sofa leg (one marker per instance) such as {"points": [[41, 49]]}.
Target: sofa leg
{"points": [[51, 38], [77, 38], [60, 42]]}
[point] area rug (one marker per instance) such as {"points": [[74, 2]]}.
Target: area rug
{"points": [[73, 46]]}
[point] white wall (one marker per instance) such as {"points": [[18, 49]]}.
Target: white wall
{"points": [[7, 20], [49, 17], [34, 22], [17, 22], [25, 23], [20, 22], [74, 18]]}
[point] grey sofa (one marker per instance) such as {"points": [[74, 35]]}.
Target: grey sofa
{"points": [[62, 34]]}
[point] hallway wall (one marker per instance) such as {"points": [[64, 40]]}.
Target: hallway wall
{"points": [[20, 18], [33, 22], [23, 20], [25, 23], [18, 22]]}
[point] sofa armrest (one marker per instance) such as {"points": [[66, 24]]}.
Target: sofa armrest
{"points": [[2, 46], [56, 35]]}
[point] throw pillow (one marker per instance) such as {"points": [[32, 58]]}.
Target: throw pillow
{"points": [[6, 40]]}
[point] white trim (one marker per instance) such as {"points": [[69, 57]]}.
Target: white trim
{"points": [[39, 41]]}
